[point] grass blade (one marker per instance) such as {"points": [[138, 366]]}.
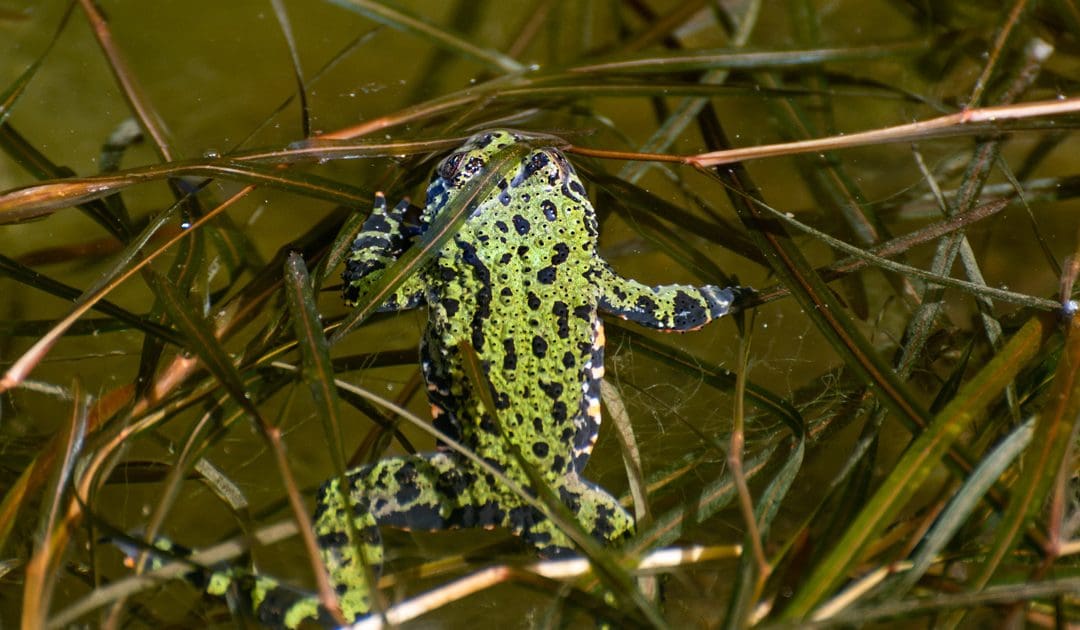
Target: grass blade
{"points": [[318, 371], [41, 570], [1054, 429], [37, 200], [631, 454], [294, 55], [10, 96], [44, 283], [402, 21], [698, 60], [915, 465], [205, 345], [200, 340], [967, 498], [129, 86], [749, 580], [713, 497], [33, 160]]}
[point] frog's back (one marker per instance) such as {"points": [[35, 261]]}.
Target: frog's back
{"points": [[520, 283], [516, 285]]}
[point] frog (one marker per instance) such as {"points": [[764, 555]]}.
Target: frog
{"points": [[521, 285]]}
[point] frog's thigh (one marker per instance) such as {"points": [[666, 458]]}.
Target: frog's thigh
{"points": [[428, 492], [438, 491]]}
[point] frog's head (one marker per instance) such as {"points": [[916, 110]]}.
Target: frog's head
{"points": [[473, 158], [468, 161]]}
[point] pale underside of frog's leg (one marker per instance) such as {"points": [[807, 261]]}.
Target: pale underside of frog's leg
{"points": [[382, 239], [672, 307]]}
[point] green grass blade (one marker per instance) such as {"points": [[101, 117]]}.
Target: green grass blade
{"points": [[382, 13], [715, 59], [960, 508], [201, 340], [1044, 464], [318, 371], [915, 465]]}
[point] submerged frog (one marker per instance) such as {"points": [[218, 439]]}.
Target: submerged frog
{"points": [[522, 283]]}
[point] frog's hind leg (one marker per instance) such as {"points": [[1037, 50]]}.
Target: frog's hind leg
{"points": [[598, 512], [440, 491], [349, 542], [425, 492], [345, 556]]}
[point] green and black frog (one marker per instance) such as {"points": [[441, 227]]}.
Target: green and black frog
{"points": [[523, 285]]}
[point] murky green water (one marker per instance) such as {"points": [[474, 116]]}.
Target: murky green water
{"points": [[215, 76]]}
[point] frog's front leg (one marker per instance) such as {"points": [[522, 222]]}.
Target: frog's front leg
{"points": [[673, 307], [382, 239]]}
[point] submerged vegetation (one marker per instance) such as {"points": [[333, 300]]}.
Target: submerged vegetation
{"points": [[886, 432]]}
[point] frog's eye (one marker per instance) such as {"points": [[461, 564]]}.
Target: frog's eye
{"points": [[449, 167]]}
